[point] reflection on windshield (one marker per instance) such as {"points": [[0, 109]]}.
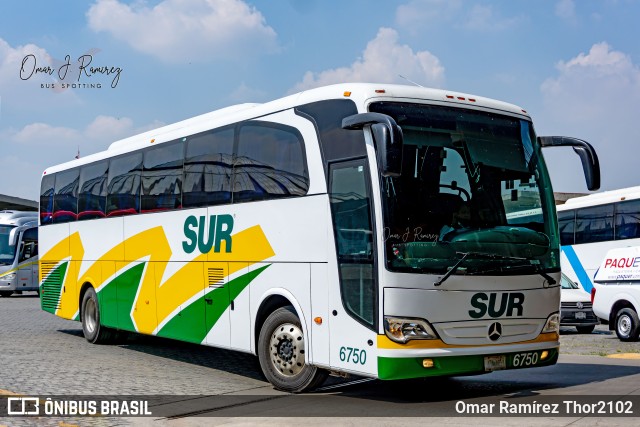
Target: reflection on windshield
{"points": [[7, 253], [470, 183]]}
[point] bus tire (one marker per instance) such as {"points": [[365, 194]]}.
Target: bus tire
{"points": [[282, 356], [627, 325], [6, 294], [93, 331]]}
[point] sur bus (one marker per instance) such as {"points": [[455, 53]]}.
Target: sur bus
{"points": [[18, 252], [354, 228], [592, 225]]}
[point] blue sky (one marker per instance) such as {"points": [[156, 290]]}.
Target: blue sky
{"points": [[574, 65]]}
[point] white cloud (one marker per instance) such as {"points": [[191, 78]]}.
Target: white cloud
{"points": [[383, 60], [594, 97], [483, 18], [21, 83], [244, 93], [566, 9], [415, 15], [42, 134], [185, 30], [421, 13], [36, 146]]}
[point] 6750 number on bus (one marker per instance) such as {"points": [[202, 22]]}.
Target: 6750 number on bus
{"points": [[353, 355]]}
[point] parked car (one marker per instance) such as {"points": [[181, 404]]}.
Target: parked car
{"points": [[575, 307], [616, 292]]}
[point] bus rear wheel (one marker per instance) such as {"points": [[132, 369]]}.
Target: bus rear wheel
{"points": [[627, 325], [93, 331], [282, 355], [6, 293]]}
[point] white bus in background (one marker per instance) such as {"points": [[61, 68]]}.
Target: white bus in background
{"points": [[616, 292], [592, 225], [18, 252], [370, 229]]}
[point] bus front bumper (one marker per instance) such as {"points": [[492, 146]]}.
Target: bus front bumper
{"points": [[396, 368], [430, 358]]}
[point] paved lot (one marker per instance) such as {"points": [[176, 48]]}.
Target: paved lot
{"points": [[42, 354]]}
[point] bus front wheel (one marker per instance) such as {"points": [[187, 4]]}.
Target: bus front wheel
{"points": [[627, 325], [281, 353], [6, 294], [93, 331]]}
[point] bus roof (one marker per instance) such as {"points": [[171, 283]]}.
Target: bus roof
{"points": [[601, 198], [17, 217], [360, 93]]}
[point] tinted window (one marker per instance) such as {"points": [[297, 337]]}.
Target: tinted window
{"points": [[336, 143], [65, 199], [123, 191], [351, 214], [594, 224], [162, 178], [567, 224], [208, 169], [93, 191], [29, 248], [46, 199], [269, 163], [628, 219]]}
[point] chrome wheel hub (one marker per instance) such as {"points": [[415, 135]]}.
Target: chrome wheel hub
{"points": [[286, 348], [90, 315]]}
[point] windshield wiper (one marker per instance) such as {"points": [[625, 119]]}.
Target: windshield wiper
{"points": [[453, 269], [457, 265], [536, 269]]}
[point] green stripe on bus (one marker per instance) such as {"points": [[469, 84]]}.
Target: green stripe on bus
{"points": [[50, 289], [195, 321], [116, 298], [391, 368]]}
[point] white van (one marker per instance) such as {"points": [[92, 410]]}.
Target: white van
{"points": [[616, 292], [18, 252]]}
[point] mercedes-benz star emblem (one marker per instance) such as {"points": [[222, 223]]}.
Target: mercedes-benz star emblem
{"points": [[579, 305], [495, 331]]}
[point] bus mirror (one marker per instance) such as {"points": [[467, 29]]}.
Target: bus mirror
{"points": [[13, 236], [387, 136], [587, 153]]}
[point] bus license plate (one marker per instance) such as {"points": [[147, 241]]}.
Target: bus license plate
{"points": [[495, 363], [581, 315]]}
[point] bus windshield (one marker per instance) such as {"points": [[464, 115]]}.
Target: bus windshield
{"points": [[473, 186], [7, 252]]}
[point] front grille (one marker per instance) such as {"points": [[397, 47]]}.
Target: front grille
{"points": [[574, 305]]}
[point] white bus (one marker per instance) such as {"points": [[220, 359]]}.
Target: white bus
{"points": [[354, 228], [18, 252], [592, 225]]}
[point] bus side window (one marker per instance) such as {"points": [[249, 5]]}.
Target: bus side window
{"points": [[123, 187], [208, 168], [93, 191], [65, 199], [269, 163], [29, 246], [162, 178], [47, 189]]}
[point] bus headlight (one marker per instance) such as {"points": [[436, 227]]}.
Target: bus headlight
{"points": [[8, 277], [402, 330], [553, 324]]}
